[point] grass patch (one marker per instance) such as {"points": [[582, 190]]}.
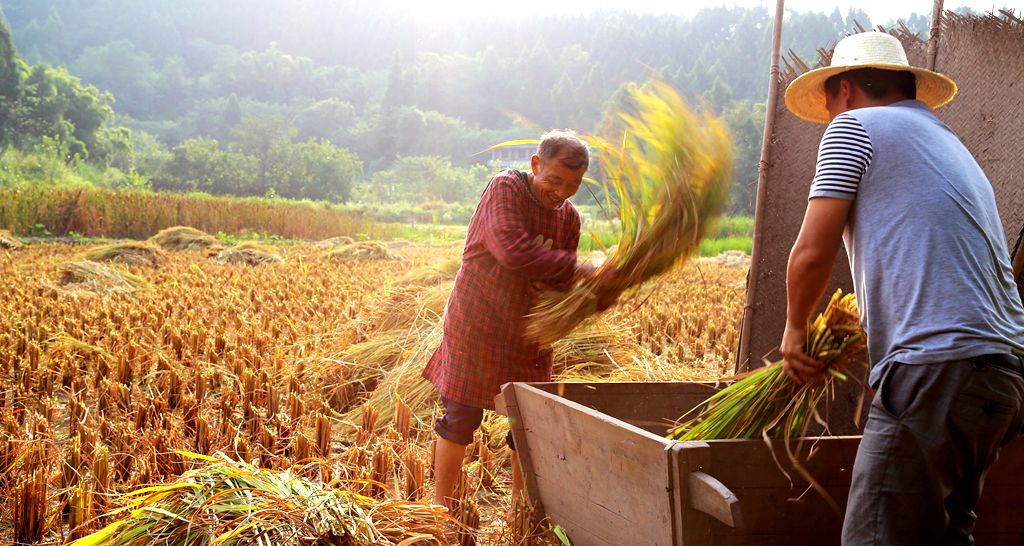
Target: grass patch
{"points": [[414, 233], [733, 233], [714, 247]]}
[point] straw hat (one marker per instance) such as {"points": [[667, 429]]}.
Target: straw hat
{"points": [[805, 96]]}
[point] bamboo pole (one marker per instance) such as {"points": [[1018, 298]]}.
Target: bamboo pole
{"points": [[933, 34], [742, 361]]}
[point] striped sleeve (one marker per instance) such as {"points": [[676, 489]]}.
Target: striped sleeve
{"points": [[843, 157]]}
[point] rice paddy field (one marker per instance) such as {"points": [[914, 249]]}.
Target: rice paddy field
{"points": [[295, 366]]}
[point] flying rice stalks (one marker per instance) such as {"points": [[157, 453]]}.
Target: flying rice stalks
{"points": [[248, 253], [670, 168], [131, 254], [233, 503], [183, 238], [97, 277], [8, 241]]}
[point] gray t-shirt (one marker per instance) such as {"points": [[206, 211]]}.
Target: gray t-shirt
{"points": [[930, 263]]}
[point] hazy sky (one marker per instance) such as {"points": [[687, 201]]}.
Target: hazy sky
{"points": [[880, 11]]}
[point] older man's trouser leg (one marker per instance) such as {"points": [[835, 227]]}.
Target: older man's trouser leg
{"points": [[932, 433]]}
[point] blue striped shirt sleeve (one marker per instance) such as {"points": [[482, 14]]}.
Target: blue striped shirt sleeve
{"points": [[843, 157]]}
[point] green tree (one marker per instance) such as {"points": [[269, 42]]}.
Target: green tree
{"points": [[10, 79], [316, 169], [746, 127], [200, 164], [421, 179], [328, 119], [266, 140], [56, 104], [149, 156], [114, 148], [268, 75], [124, 70], [563, 100]]}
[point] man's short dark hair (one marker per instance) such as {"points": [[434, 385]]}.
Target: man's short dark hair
{"points": [[876, 83], [567, 146]]}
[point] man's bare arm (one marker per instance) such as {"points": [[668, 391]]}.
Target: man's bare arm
{"points": [[807, 275]]}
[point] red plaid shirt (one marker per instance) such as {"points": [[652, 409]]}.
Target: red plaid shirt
{"points": [[483, 345]]}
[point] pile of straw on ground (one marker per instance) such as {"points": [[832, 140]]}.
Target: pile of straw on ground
{"points": [[365, 250], [133, 254], [334, 241], [183, 238], [398, 243], [9, 241], [248, 253], [235, 504], [96, 277]]}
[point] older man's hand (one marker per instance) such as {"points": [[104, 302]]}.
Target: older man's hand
{"points": [[797, 364]]}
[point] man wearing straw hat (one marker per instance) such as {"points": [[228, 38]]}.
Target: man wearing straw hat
{"points": [[933, 279]]}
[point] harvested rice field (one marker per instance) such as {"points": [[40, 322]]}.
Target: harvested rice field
{"points": [[296, 377]]}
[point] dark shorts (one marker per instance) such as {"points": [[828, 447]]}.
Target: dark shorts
{"points": [[460, 421]]}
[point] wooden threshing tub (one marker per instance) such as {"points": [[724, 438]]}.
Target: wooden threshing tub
{"points": [[595, 460]]}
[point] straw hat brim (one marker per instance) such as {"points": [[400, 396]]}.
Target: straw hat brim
{"points": [[805, 96]]}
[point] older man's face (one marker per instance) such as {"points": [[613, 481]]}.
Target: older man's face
{"points": [[553, 182]]}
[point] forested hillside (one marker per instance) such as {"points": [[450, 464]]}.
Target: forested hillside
{"points": [[330, 99]]}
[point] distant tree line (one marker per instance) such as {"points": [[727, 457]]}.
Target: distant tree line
{"points": [[330, 99]]}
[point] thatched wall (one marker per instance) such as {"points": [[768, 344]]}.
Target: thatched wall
{"points": [[984, 56]]}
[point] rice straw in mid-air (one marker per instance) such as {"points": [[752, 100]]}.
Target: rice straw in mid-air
{"points": [[668, 169]]}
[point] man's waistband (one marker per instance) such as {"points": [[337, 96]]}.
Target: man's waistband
{"points": [[1006, 361]]}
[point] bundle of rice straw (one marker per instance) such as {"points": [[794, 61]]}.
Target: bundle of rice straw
{"points": [[334, 241], [183, 238], [365, 250], [232, 503], [404, 379], [402, 307], [131, 253], [766, 402], [8, 241], [97, 277], [670, 169], [248, 253]]}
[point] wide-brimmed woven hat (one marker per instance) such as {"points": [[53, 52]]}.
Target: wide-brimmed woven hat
{"points": [[805, 96]]}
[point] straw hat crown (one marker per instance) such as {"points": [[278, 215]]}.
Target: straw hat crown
{"points": [[805, 96]]}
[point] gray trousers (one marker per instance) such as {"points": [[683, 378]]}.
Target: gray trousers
{"points": [[932, 433]]}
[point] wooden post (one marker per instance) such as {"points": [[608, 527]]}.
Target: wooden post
{"points": [[742, 363], [933, 34]]}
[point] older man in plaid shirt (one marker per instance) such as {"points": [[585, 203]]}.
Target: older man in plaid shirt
{"points": [[523, 235]]}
